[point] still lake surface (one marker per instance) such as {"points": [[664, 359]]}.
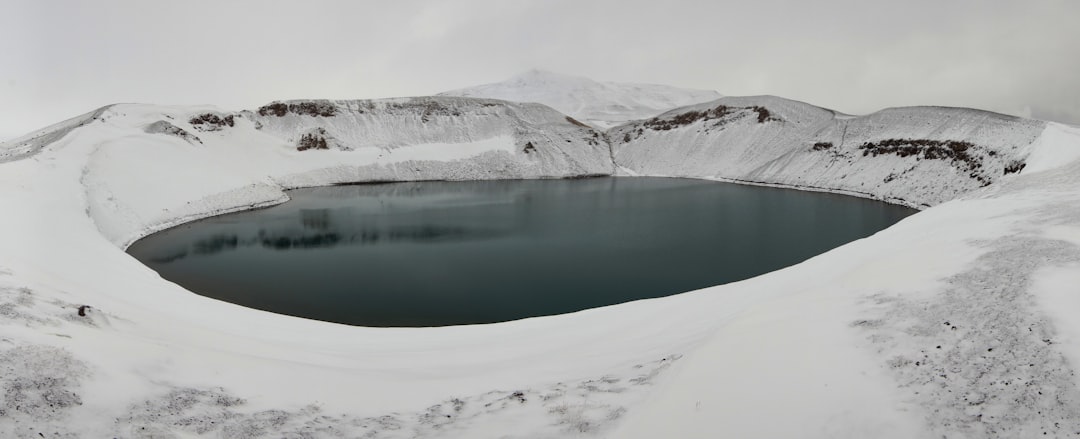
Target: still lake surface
{"points": [[449, 253]]}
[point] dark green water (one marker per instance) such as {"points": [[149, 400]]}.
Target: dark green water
{"points": [[448, 253]]}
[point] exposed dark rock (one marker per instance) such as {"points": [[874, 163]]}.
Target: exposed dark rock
{"points": [[1014, 167], [763, 114], [722, 113], [275, 109], [679, 120], [312, 140], [308, 108], [211, 122], [163, 127], [956, 151]]}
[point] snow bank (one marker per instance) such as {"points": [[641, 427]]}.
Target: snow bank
{"points": [[942, 325]]}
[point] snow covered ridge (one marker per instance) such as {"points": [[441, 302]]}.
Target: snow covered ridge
{"points": [[600, 104], [917, 156], [221, 161], [29, 144], [956, 322], [352, 124]]}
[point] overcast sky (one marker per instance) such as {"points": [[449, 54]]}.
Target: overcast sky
{"points": [[59, 59]]}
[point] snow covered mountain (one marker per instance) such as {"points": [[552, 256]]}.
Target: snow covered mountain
{"points": [[917, 156], [600, 104], [958, 321]]}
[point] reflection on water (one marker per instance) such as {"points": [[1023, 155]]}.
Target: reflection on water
{"points": [[214, 244], [315, 219], [303, 241], [345, 236], [165, 257], [442, 253]]}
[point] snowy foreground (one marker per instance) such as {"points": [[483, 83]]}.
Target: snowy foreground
{"points": [[957, 322]]}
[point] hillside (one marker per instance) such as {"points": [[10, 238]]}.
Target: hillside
{"points": [[917, 156], [308, 143], [955, 322]]}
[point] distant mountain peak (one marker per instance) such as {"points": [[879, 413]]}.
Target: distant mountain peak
{"points": [[535, 72], [538, 77], [546, 74], [602, 104]]}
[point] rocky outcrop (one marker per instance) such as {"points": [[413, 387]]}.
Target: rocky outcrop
{"points": [[212, 121], [164, 127]]}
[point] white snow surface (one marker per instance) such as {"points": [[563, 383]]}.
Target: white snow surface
{"points": [[952, 323], [600, 104]]}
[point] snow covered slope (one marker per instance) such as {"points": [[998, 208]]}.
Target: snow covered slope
{"points": [[216, 161], [29, 144], [545, 143], [918, 156], [600, 104], [956, 322]]}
